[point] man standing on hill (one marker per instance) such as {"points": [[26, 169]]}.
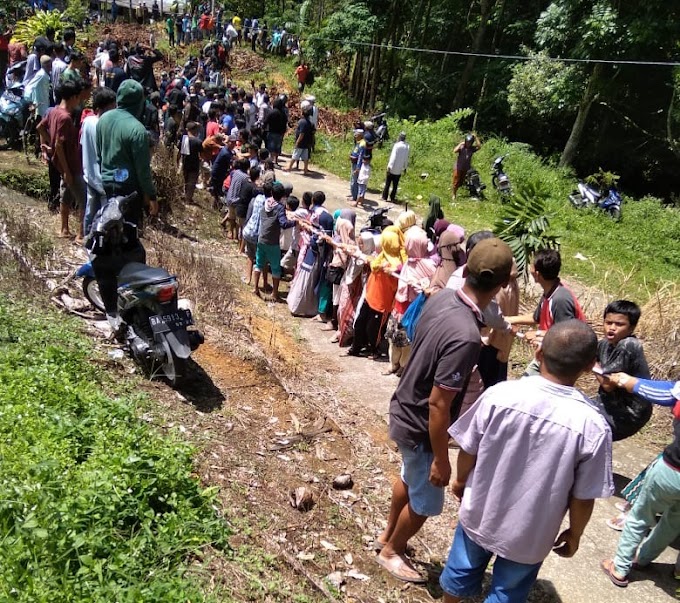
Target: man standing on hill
{"points": [[301, 73], [122, 146], [396, 166], [429, 396], [514, 509], [59, 142], [465, 150]]}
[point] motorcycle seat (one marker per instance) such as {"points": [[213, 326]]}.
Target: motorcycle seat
{"points": [[136, 273]]}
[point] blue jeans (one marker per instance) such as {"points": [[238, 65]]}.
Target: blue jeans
{"points": [[660, 494], [353, 184], [95, 201], [465, 567]]}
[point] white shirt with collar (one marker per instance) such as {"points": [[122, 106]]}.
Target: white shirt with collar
{"points": [[398, 158]]}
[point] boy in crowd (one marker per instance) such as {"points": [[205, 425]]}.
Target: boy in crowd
{"points": [[557, 303], [567, 468], [191, 161], [103, 100], [272, 220], [59, 142], [621, 352], [362, 181]]}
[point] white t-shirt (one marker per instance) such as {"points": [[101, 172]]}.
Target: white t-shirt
{"points": [[364, 173], [91, 170]]}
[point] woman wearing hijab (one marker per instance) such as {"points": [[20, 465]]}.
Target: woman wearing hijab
{"points": [[414, 278], [406, 220], [303, 297], [451, 256], [381, 288], [342, 241], [324, 289], [435, 214], [352, 288]]}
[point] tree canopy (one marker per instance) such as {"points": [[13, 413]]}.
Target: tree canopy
{"points": [[622, 117]]}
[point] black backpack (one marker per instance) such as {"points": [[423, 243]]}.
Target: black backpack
{"points": [[310, 78]]}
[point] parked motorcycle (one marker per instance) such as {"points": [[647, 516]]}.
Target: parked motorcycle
{"points": [[154, 327], [589, 196], [381, 129], [377, 221], [14, 110], [474, 184], [499, 179]]}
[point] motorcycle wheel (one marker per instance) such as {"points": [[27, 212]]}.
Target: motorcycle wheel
{"points": [[173, 369], [614, 213], [91, 291]]}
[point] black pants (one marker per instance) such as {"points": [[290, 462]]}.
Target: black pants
{"points": [[108, 267], [392, 179], [55, 182], [171, 37], [490, 368], [368, 330]]}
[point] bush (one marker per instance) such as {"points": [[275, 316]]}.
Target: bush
{"points": [[33, 184], [94, 505]]}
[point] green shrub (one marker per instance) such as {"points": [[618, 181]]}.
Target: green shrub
{"points": [[94, 504], [33, 184]]}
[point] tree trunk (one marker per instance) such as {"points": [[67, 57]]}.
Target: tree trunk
{"points": [[374, 78], [367, 77], [485, 12], [577, 129]]}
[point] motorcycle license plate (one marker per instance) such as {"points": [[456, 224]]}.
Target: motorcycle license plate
{"points": [[163, 323]]}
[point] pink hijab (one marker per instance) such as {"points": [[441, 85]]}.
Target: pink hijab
{"points": [[419, 268]]}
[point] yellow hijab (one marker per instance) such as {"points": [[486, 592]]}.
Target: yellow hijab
{"points": [[393, 251]]}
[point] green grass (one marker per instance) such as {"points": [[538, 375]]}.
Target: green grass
{"points": [[632, 257], [94, 504]]}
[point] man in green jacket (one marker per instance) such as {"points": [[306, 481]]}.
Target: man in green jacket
{"points": [[123, 150]]}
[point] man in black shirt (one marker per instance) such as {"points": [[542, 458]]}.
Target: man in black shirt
{"points": [[304, 137], [276, 124], [428, 399], [139, 66], [191, 161], [114, 76]]}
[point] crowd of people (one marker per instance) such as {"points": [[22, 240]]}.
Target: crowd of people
{"points": [[440, 305]]}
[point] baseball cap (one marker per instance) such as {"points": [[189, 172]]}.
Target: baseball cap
{"points": [[490, 261]]}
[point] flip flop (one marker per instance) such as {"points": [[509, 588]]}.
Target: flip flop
{"points": [[395, 572], [607, 568], [617, 523]]}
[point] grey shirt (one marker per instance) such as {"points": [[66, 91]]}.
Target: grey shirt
{"points": [[537, 443], [444, 352]]}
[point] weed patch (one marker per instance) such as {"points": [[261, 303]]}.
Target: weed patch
{"points": [[94, 505], [33, 184]]}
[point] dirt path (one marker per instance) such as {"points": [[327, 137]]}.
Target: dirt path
{"points": [[264, 376], [360, 384]]}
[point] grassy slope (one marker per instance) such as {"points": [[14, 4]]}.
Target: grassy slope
{"points": [[630, 258], [96, 506]]}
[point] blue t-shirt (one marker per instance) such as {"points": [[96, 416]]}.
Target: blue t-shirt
{"points": [[228, 122]]}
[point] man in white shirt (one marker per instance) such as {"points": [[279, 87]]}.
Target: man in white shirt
{"points": [[103, 99], [396, 166], [37, 90]]}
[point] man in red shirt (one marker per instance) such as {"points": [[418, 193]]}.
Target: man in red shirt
{"points": [[301, 73], [59, 138]]}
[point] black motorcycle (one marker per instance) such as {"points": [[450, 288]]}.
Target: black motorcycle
{"points": [[380, 129], [499, 179], [377, 221], [474, 184], [154, 329]]}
